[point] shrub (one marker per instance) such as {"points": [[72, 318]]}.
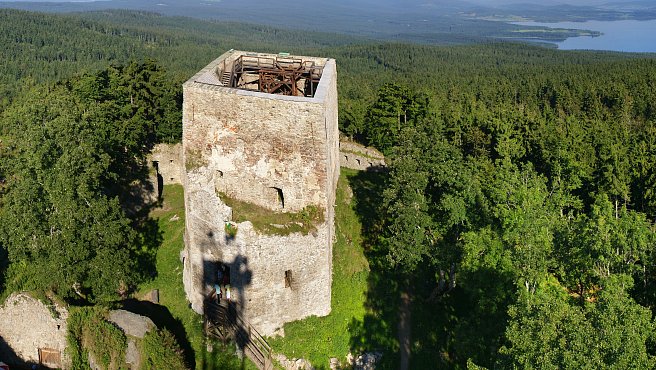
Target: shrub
{"points": [[90, 332], [230, 230], [159, 350]]}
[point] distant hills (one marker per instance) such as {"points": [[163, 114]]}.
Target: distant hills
{"points": [[429, 21]]}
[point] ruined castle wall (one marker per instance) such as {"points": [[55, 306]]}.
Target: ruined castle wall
{"points": [[329, 77], [27, 326], [253, 146], [169, 162], [257, 270], [360, 157], [258, 144]]}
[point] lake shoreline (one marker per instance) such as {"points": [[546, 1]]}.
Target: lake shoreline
{"points": [[624, 35]]}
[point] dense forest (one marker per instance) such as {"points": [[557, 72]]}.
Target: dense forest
{"points": [[408, 20], [517, 212], [72, 153]]}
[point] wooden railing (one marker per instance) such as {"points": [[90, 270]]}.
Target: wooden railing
{"points": [[224, 322]]}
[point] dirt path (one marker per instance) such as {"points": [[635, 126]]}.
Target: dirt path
{"points": [[404, 331]]}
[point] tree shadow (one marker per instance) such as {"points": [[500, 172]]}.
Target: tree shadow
{"points": [[163, 319], [467, 321], [4, 263], [368, 187], [151, 238], [377, 330], [479, 316], [138, 198]]}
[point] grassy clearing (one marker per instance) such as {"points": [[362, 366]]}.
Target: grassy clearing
{"points": [[275, 223], [317, 339], [180, 319]]}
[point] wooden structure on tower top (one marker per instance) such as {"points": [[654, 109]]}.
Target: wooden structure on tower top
{"points": [[281, 75]]}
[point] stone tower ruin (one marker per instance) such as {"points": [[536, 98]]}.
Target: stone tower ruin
{"points": [[260, 140]]}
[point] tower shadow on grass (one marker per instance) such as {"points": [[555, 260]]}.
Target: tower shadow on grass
{"points": [[237, 274]]}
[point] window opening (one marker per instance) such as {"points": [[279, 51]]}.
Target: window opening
{"points": [[275, 197], [288, 279]]}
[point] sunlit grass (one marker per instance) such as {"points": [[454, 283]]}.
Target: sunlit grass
{"points": [[317, 339], [275, 223]]}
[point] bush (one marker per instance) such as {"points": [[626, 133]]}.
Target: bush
{"points": [[89, 332], [230, 230], [159, 350]]}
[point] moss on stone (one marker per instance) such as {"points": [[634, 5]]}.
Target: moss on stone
{"points": [[270, 222], [194, 160]]}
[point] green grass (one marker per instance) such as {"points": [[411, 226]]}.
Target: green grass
{"points": [[171, 291], [274, 223], [317, 339]]}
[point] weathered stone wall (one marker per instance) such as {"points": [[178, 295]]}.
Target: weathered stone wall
{"points": [[27, 325], [257, 144], [253, 147], [360, 157], [168, 159]]}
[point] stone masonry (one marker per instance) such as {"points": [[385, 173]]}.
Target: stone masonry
{"points": [[278, 152], [166, 160], [359, 157], [33, 332]]}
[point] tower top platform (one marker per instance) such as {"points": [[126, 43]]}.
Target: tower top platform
{"points": [[278, 74]]}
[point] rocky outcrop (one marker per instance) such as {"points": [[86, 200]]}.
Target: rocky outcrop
{"points": [[135, 327], [132, 324]]}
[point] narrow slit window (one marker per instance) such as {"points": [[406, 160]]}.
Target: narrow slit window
{"points": [[281, 198], [288, 279], [276, 198]]}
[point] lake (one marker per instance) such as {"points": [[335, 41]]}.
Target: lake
{"points": [[625, 35]]}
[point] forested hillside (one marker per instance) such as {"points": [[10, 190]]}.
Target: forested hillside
{"points": [[46, 48], [73, 156], [517, 215]]}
